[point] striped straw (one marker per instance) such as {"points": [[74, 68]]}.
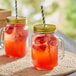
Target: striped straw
{"points": [[43, 17], [16, 7]]}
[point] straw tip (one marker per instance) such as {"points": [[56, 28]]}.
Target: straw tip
{"points": [[41, 6]]}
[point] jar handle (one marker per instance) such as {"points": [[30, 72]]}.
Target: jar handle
{"points": [[62, 47], [2, 37]]}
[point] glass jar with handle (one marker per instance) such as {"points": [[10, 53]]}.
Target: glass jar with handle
{"points": [[15, 37], [45, 47]]}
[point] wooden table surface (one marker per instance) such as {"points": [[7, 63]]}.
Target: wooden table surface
{"points": [[70, 45]]}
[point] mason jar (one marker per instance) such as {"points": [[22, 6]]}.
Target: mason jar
{"points": [[15, 37], [45, 47]]}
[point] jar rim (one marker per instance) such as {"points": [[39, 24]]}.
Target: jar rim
{"points": [[49, 28], [13, 19]]}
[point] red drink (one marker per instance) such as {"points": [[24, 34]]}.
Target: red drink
{"points": [[44, 50], [15, 37]]}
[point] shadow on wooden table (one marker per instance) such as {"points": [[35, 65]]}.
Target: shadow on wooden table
{"points": [[31, 71], [5, 59]]}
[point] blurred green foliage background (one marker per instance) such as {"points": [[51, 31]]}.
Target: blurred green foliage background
{"points": [[70, 18], [68, 25]]}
